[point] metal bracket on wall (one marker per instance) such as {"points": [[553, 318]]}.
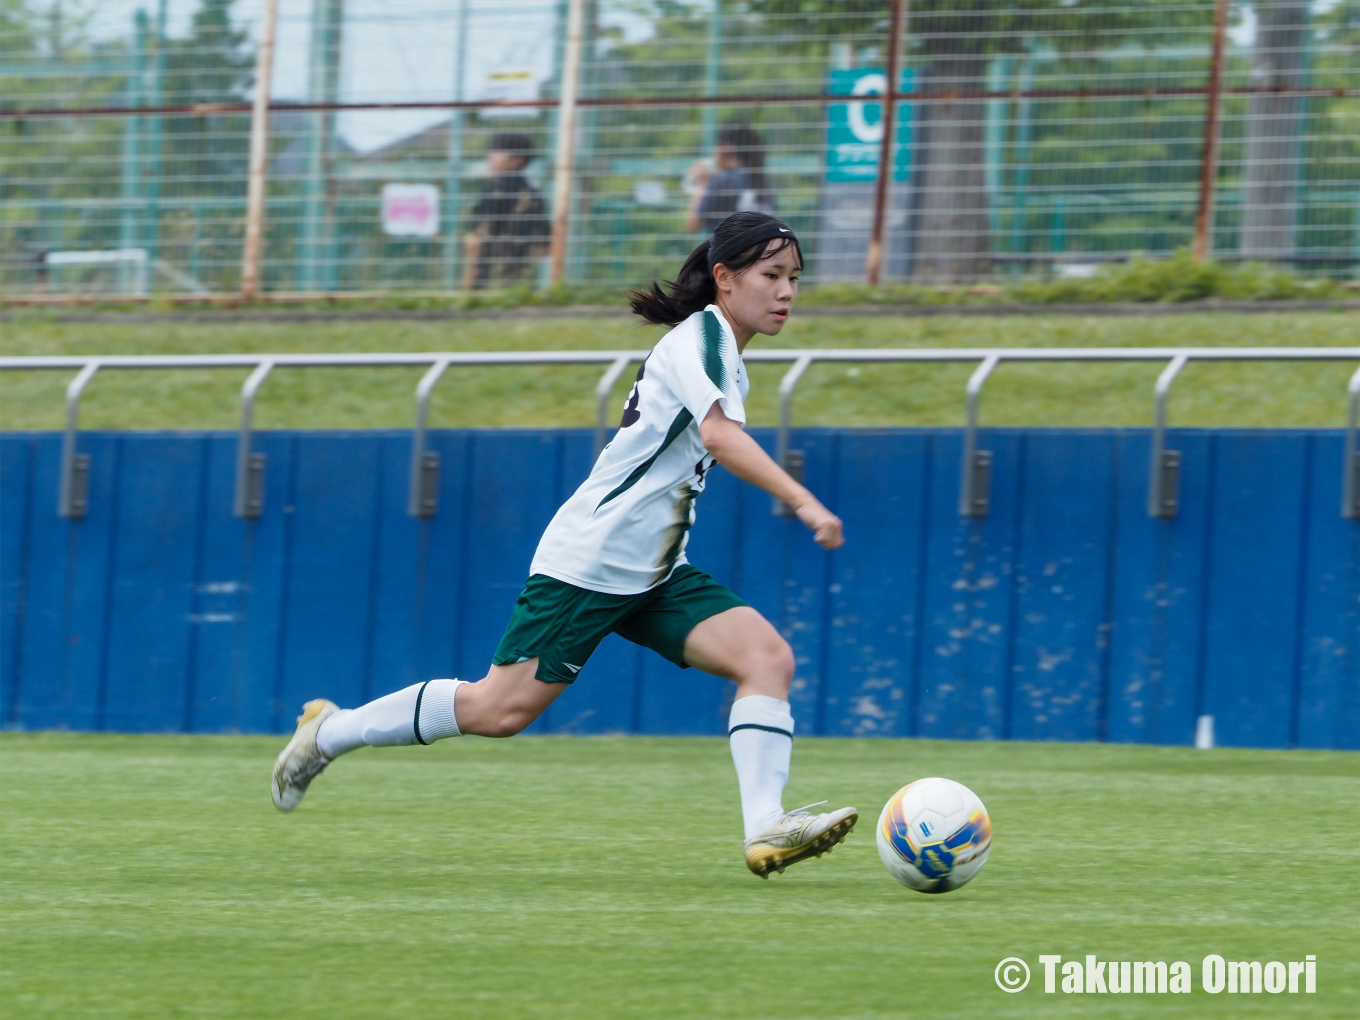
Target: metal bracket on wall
{"points": [[254, 487], [1165, 499], [1164, 480], [73, 496], [1350, 488], [795, 463], [422, 498], [250, 467], [792, 461], [602, 390], [975, 480]]}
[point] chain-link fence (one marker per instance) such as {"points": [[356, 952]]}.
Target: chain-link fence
{"points": [[437, 145]]}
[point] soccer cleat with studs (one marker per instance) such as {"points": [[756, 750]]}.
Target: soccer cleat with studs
{"points": [[796, 836], [301, 761]]}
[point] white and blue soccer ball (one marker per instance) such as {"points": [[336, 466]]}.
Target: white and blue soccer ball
{"points": [[933, 835]]}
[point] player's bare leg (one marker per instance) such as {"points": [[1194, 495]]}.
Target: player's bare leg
{"points": [[501, 704], [743, 646], [505, 701]]}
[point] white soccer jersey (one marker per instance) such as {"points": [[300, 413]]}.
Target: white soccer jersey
{"points": [[624, 531]]}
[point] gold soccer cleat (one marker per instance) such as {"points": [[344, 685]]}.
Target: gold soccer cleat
{"points": [[796, 836], [301, 761]]}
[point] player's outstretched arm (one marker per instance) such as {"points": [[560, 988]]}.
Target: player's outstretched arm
{"points": [[731, 447]]}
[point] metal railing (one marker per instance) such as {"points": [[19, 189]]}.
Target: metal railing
{"points": [[975, 474]]}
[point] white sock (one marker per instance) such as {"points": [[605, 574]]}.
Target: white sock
{"points": [[760, 730], [392, 720]]}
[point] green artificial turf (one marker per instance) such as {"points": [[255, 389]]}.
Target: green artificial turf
{"points": [[1221, 395], [146, 877]]}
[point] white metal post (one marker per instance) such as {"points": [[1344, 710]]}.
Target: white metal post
{"points": [[72, 492], [249, 501], [259, 155], [1350, 483], [566, 137], [1164, 479], [975, 477], [422, 495], [453, 179]]}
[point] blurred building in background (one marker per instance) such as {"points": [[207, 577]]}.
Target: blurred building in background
{"points": [[1029, 138]]}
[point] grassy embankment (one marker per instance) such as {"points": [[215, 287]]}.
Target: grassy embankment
{"points": [[1058, 395]]}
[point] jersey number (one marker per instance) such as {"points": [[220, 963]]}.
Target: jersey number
{"points": [[631, 414]]}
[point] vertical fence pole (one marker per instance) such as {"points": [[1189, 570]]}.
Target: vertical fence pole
{"points": [[1208, 167], [259, 155], [315, 256], [134, 180], [566, 138], [151, 227], [712, 66], [584, 152], [1024, 130], [453, 180], [873, 265]]}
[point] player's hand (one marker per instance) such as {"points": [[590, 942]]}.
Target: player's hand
{"points": [[824, 525]]}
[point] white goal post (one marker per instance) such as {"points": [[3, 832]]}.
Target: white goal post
{"points": [[134, 258], [139, 267]]}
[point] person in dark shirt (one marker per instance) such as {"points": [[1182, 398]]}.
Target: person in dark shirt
{"points": [[509, 222], [738, 186]]}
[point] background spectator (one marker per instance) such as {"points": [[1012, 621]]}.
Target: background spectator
{"points": [[509, 222], [739, 184]]}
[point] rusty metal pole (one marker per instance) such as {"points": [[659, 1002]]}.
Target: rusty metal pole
{"points": [[873, 265], [259, 155], [566, 138], [1208, 168]]}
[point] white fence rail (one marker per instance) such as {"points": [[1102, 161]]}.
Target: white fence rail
{"points": [[974, 485]]}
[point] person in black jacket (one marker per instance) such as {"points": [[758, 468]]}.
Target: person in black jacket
{"points": [[509, 227]]}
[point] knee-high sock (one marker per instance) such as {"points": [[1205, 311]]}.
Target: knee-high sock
{"points": [[419, 714], [760, 730]]}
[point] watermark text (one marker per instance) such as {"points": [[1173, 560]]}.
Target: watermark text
{"points": [[1216, 975]]}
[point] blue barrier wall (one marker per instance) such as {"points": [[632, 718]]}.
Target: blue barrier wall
{"points": [[1067, 614]]}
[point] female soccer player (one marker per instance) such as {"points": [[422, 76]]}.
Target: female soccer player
{"points": [[613, 558]]}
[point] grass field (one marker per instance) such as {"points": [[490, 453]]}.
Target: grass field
{"points": [[1062, 395], [148, 877]]}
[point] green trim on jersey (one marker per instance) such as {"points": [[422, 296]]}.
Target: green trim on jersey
{"points": [[713, 362], [683, 517], [681, 423]]}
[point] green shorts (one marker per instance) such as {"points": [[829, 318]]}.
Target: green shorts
{"points": [[561, 624]]}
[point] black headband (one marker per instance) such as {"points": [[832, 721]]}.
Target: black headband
{"points": [[747, 239]]}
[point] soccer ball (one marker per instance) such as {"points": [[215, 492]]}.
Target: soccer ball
{"points": [[933, 835]]}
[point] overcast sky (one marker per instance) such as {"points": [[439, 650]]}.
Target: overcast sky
{"points": [[394, 50], [398, 50]]}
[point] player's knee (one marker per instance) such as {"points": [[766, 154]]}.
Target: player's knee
{"points": [[507, 722], [769, 660], [780, 660]]}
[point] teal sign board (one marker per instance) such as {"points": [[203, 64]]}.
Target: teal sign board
{"points": [[854, 132]]}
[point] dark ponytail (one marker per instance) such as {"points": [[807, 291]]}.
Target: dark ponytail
{"points": [[691, 290], [739, 242]]}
